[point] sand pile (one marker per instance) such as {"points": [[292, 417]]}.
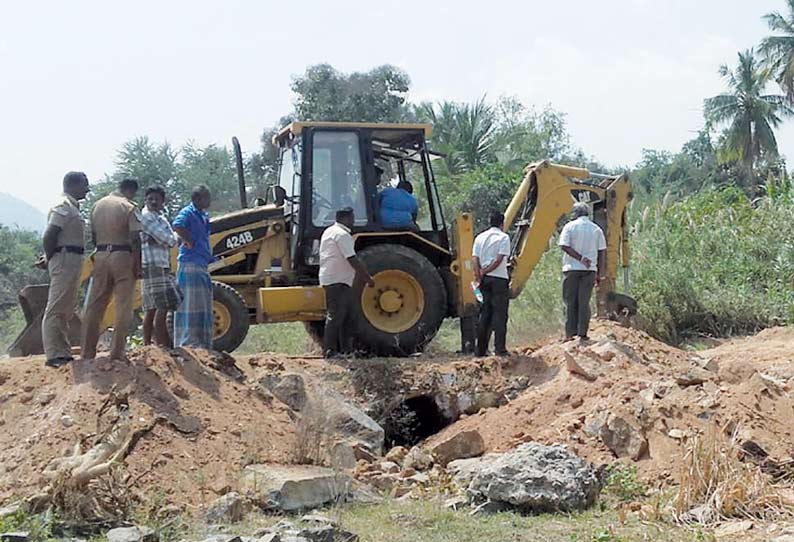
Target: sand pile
{"points": [[629, 396], [198, 419]]}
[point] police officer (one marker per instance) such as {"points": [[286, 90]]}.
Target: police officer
{"points": [[63, 242], [115, 229]]}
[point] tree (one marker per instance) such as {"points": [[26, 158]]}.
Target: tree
{"points": [[778, 50], [750, 114], [525, 135], [324, 94], [463, 132]]}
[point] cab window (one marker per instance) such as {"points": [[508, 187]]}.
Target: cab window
{"points": [[337, 179]]}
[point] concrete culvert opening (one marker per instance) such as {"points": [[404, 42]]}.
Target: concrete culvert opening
{"points": [[413, 420]]}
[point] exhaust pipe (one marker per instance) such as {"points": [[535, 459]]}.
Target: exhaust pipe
{"points": [[238, 157]]}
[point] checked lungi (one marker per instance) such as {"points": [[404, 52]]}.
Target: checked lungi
{"points": [[159, 289], [193, 320]]}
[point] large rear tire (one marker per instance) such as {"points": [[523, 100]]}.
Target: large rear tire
{"points": [[404, 310]]}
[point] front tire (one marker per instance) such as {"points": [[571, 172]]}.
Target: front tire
{"points": [[229, 316], [404, 310]]}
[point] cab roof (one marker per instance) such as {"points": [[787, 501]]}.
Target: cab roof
{"points": [[296, 127]]}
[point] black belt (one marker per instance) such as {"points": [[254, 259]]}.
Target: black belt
{"points": [[70, 248], [114, 248]]}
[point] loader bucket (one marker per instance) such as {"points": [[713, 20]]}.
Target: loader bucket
{"points": [[33, 300]]}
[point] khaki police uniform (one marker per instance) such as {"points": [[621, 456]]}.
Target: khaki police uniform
{"points": [[114, 222], [64, 267]]}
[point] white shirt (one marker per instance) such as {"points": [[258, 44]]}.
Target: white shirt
{"points": [[488, 246], [585, 237], [336, 246]]}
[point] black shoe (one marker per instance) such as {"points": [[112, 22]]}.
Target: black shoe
{"points": [[57, 363], [503, 354]]}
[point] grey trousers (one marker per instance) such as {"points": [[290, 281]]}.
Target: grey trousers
{"points": [[577, 287]]}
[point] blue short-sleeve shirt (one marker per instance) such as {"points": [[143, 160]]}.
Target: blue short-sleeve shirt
{"points": [[197, 222], [397, 208]]}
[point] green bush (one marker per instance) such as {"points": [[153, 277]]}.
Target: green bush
{"points": [[715, 264]]}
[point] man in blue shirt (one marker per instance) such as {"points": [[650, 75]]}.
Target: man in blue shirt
{"points": [[193, 320], [398, 207]]}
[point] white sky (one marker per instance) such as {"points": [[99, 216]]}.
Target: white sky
{"points": [[79, 78]]}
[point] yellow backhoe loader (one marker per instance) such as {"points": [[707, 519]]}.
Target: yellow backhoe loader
{"points": [[268, 254]]}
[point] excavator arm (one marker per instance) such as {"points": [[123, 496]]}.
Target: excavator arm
{"points": [[545, 196]]}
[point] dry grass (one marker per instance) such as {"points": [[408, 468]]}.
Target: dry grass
{"points": [[312, 433], [718, 485]]}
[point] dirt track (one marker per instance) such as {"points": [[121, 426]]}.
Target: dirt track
{"points": [[201, 423]]}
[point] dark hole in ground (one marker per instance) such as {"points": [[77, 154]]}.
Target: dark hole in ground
{"points": [[414, 420]]}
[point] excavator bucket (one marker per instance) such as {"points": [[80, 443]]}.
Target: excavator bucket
{"points": [[33, 300]]}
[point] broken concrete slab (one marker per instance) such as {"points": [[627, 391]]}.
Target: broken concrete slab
{"points": [[294, 487], [536, 478], [461, 445]]}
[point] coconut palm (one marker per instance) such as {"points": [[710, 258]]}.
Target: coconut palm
{"points": [[778, 50], [750, 114]]}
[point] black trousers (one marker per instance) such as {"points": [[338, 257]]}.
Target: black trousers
{"points": [[493, 314], [577, 287], [338, 304]]}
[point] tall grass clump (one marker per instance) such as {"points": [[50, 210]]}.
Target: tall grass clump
{"points": [[715, 264]]}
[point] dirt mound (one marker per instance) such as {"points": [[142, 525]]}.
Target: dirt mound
{"points": [[633, 397], [199, 423]]}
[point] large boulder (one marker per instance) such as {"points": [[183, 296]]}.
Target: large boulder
{"points": [[294, 487], [461, 445], [288, 388], [536, 478]]}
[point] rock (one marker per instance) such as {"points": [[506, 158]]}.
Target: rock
{"points": [[536, 478], [362, 451], [489, 507], [608, 350], [710, 364], [464, 470], [270, 537], [232, 507], [396, 455], [389, 467], [15, 536], [419, 478], [582, 366], [131, 534], [288, 388], [622, 438], [407, 473], [45, 397], [10, 509], [462, 445], [67, 421], [328, 533], [676, 434], [295, 487], [693, 377], [456, 503], [348, 420], [221, 537], [418, 459], [384, 482], [342, 456], [784, 538], [732, 529]]}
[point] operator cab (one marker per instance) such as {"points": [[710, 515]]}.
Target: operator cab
{"points": [[325, 166]]}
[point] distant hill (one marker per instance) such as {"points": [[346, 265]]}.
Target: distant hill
{"points": [[15, 212]]}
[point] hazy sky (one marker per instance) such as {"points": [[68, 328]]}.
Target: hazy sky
{"points": [[79, 78]]}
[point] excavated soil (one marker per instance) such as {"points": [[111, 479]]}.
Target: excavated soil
{"points": [[203, 417]]}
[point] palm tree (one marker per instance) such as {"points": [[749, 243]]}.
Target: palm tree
{"points": [[463, 132], [778, 50], [750, 114]]}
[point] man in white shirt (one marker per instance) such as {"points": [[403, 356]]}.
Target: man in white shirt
{"points": [[338, 269], [584, 252], [491, 253]]}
